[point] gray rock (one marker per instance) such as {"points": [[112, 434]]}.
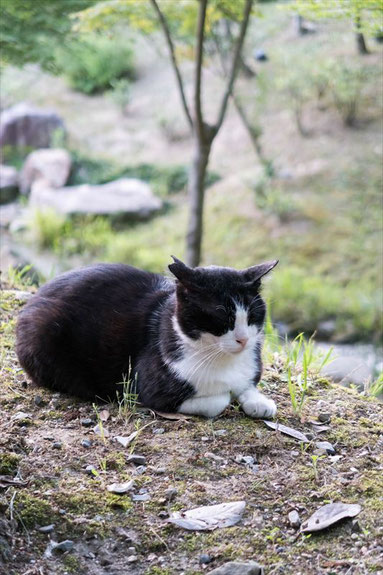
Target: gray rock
{"points": [[24, 125], [294, 519], [141, 497], [38, 401], [47, 528], [348, 370], [87, 422], [9, 184], [63, 546], [135, 458], [324, 417], [91, 470], [126, 198], [171, 493], [158, 431], [57, 445], [87, 443], [51, 165], [204, 559], [326, 447], [326, 329], [237, 568]]}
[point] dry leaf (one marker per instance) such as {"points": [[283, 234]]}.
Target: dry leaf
{"points": [[210, 517], [328, 515], [121, 488], [104, 415], [286, 430], [173, 416], [125, 441]]}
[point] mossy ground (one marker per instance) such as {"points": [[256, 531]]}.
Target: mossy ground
{"points": [[108, 529]]}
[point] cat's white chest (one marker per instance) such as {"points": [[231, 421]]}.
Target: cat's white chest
{"points": [[213, 376]]}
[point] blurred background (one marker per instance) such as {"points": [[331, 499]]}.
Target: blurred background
{"points": [[97, 150]]}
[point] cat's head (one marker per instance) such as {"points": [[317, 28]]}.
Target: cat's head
{"points": [[220, 306]]}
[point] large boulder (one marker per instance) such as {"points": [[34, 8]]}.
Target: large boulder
{"points": [[9, 184], [124, 199], [24, 126], [52, 165]]}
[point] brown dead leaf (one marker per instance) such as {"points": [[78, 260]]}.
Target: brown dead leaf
{"points": [[173, 416]]}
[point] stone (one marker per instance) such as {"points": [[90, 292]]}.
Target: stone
{"points": [[325, 446], [24, 126], [135, 458], [260, 55], [9, 184], [87, 443], [63, 546], [87, 422], [57, 445], [91, 470], [294, 519], [47, 528], [171, 493], [123, 199], [326, 329], [204, 559], [38, 401], [238, 568], [53, 166], [324, 417], [348, 370]]}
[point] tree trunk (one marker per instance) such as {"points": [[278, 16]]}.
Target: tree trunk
{"points": [[196, 189], [360, 40]]}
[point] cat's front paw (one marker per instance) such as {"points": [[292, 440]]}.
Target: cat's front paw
{"points": [[260, 407]]}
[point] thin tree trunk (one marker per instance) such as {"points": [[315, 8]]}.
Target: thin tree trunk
{"points": [[196, 201], [360, 40]]}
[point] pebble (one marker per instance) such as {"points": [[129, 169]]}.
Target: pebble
{"points": [[171, 493], [294, 519], [87, 443], [90, 470], [132, 558], [158, 431], [204, 559], [143, 497], [135, 458], [324, 417], [220, 432], [87, 422], [140, 469], [326, 446], [47, 528], [38, 401], [57, 445], [63, 546], [163, 515]]}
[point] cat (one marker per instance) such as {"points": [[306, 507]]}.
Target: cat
{"points": [[187, 345]]}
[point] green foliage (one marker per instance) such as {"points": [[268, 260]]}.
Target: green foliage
{"points": [[121, 93], [94, 62], [30, 30], [366, 15]]}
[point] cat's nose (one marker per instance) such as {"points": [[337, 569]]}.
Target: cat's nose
{"points": [[242, 341]]}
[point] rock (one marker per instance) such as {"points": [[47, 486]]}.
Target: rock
{"points": [[47, 528], [171, 493], [141, 497], [24, 125], [324, 417], [8, 213], [63, 546], [9, 184], [237, 568], [204, 559], [126, 198], [294, 519], [57, 445], [51, 165], [135, 458], [348, 370], [220, 432], [91, 470], [87, 443], [326, 447], [38, 401], [87, 422], [158, 431], [260, 55]]}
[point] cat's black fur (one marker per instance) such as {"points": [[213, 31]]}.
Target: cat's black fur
{"points": [[86, 330]]}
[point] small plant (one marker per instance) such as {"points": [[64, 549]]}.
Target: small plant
{"points": [[121, 93], [314, 462], [375, 388], [127, 399], [21, 277], [100, 424], [346, 85]]}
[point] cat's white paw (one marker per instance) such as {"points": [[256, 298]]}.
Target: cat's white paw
{"points": [[260, 407]]}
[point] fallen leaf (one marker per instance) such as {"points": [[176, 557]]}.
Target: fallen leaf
{"points": [[104, 415], [328, 515], [101, 431], [173, 416], [121, 488], [286, 430], [125, 441], [7, 480], [210, 517]]}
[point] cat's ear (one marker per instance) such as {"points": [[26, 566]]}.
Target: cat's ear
{"points": [[253, 274], [183, 273]]}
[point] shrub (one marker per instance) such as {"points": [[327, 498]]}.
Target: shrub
{"points": [[94, 63]]}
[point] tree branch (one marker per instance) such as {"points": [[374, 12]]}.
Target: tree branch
{"points": [[176, 69], [199, 123], [235, 64]]}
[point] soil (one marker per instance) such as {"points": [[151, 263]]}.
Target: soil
{"points": [[44, 452]]}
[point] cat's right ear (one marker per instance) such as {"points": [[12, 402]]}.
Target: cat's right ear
{"points": [[184, 274]]}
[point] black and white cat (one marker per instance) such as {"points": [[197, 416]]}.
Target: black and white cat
{"points": [[188, 345]]}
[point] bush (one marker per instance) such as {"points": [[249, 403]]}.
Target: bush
{"points": [[94, 63]]}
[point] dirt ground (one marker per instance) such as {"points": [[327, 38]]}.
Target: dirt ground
{"points": [[48, 442]]}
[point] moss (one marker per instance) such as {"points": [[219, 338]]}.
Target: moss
{"points": [[72, 563], [92, 502], [32, 510], [9, 463], [116, 460]]}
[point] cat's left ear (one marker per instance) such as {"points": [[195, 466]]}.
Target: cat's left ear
{"points": [[253, 274], [183, 273]]}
